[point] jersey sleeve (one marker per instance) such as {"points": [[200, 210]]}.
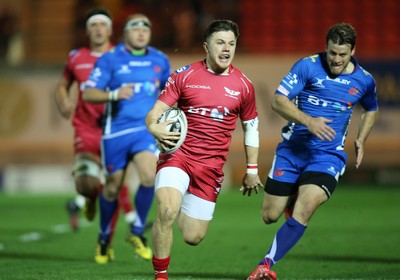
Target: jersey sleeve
{"points": [[166, 72], [172, 90], [369, 101], [294, 81], [248, 109], [68, 67]]}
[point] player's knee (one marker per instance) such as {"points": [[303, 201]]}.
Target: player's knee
{"points": [[86, 185], [192, 238], [148, 180], [167, 214], [148, 177], [270, 217], [110, 192]]}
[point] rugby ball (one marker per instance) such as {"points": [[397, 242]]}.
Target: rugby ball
{"points": [[179, 125]]}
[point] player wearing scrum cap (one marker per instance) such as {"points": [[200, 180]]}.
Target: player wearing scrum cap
{"points": [[128, 78], [86, 120]]}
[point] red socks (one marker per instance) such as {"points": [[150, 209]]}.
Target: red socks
{"points": [[124, 200], [160, 267]]}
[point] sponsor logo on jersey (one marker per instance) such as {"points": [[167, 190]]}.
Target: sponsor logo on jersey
{"points": [[217, 114], [278, 172], [150, 88], [332, 169], [140, 63], [339, 80], [231, 92], [184, 68], [353, 91], [338, 106], [171, 81], [84, 66], [124, 69], [198, 86], [319, 82]]}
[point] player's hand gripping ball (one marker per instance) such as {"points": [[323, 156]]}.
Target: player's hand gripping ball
{"points": [[179, 125]]}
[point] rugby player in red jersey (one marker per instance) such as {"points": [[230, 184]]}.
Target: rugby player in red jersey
{"points": [[213, 94], [86, 119]]}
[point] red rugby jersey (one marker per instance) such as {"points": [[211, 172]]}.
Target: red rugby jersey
{"points": [[79, 64], [212, 104]]}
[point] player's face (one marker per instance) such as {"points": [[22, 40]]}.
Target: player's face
{"points": [[99, 33], [138, 38], [220, 51], [338, 58]]}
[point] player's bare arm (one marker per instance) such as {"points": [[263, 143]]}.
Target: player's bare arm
{"points": [[251, 181], [367, 123], [62, 95], [95, 95], [288, 110], [159, 131]]}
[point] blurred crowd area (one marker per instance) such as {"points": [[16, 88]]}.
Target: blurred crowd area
{"points": [[43, 31]]}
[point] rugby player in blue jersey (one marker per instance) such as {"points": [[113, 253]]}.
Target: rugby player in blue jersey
{"points": [[129, 78], [317, 97]]}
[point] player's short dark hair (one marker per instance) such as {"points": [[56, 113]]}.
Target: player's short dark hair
{"points": [[342, 34], [98, 11], [221, 25]]}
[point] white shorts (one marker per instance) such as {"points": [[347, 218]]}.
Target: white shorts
{"points": [[192, 206]]}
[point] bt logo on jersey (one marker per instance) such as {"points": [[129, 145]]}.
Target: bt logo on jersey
{"points": [[148, 87], [339, 107], [216, 114]]}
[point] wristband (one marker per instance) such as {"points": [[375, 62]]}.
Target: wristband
{"points": [[113, 95], [252, 169]]}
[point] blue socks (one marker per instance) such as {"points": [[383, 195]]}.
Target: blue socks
{"points": [[143, 199], [107, 210], [286, 237]]}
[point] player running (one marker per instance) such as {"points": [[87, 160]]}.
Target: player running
{"points": [[213, 94], [309, 161], [87, 120], [129, 78]]}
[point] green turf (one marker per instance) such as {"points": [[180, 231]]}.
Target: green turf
{"points": [[355, 235]]}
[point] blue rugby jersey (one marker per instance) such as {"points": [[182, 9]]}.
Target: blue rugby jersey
{"points": [[318, 94], [119, 67]]}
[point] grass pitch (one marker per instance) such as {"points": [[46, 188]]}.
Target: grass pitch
{"points": [[355, 235]]}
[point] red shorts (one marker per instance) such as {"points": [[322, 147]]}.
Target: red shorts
{"points": [[205, 181], [87, 139]]}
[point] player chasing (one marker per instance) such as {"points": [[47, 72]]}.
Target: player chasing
{"points": [[213, 94], [128, 78], [86, 120], [310, 159]]}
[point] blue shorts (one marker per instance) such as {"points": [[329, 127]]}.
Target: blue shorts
{"points": [[295, 165], [118, 150]]}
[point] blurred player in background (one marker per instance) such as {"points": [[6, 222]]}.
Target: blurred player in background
{"points": [[309, 161], [87, 120], [213, 94], [129, 78]]}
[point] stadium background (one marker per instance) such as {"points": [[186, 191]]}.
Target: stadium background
{"points": [[36, 35]]}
